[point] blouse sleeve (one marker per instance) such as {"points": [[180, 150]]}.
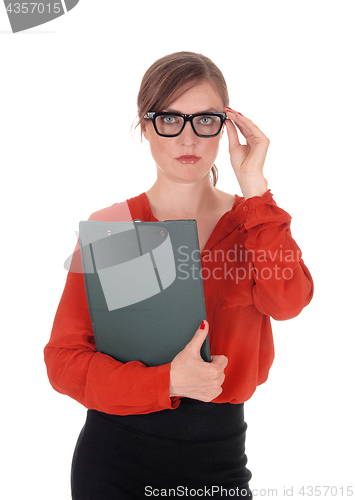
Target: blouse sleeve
{"points": [[96, 380], [283, 284]]}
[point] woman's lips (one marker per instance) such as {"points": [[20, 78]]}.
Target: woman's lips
{"points": [[188, 159]]}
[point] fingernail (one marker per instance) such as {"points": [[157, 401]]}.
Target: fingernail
{"points": [[240, 114], [202, 326], [229, 109]]}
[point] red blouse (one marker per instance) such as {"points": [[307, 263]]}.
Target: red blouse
{"points": [[252, 269]]}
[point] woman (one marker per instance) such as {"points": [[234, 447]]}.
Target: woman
{"points": [[181, 425]]}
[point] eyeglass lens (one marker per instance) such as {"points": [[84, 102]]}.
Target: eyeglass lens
{"points": [[203, 124]]}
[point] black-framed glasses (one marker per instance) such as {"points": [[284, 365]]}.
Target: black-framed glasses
{"points": [[172, 124]]}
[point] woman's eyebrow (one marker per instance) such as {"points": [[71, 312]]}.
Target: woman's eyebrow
{"points": [[170, 110]]}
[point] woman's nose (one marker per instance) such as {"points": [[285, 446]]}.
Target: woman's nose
{"points": [[187, 136]]}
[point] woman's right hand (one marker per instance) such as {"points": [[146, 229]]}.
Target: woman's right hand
{"points": [[191, 376]]}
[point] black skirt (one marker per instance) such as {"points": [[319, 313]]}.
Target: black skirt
{"points": [[196, 450]]}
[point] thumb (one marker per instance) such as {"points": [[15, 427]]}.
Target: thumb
{"points": [[198, 339], [233, 138]]}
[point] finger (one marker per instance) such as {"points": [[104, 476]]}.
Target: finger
{"points": [[245, 125], [233, 138], [220, 359], [199, 337]]}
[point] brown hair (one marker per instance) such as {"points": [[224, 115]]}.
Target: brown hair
{"points": [[172, 75]]}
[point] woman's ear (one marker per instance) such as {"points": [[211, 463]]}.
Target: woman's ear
{"points": [[144, 131], [221, 134]]}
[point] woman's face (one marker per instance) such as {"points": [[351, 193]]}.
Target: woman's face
{"points": [[187, 158]]}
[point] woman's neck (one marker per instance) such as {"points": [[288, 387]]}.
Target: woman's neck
{"points": [[181, 200]]}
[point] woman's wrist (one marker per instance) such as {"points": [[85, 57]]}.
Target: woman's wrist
{"points": [[252, 185]]}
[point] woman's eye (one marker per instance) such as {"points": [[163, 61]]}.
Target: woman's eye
{"points": [[206, 120], [169, 119]]}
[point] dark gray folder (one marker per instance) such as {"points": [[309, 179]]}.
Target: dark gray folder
{"points": [[144, 288]]}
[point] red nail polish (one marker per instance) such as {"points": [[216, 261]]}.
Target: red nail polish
{"points": [[202, 326], [240, 114], [229, 109]]}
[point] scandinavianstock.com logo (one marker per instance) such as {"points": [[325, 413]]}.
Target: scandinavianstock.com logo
{"points": [[25, 15]]}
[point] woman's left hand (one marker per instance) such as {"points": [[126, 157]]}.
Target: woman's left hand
{"points": [[247, 160]]}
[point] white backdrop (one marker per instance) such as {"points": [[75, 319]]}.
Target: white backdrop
{"points": [[68, 91]]}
